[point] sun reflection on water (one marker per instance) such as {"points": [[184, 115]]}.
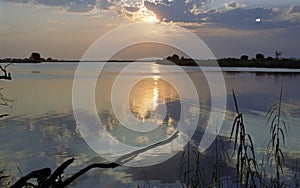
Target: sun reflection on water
{"points": [[148, 99], [154, 103]]}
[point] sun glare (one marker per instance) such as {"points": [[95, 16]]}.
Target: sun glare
{"points": [[146, 15], [150, 19]]}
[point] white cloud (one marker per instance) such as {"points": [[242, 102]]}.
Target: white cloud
{"points": [[195, 10], [233, 5], [292, 14]]}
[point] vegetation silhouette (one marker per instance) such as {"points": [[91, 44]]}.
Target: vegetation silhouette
{"points": [[34, 57], [259, 61], [46, 179]]}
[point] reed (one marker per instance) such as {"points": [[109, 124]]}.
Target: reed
{"points": [[246, 164], [277, 119], [296, 178], [191, 172], [216, 178]]}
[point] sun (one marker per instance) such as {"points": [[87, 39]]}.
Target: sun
{"points": [[150, 19]]}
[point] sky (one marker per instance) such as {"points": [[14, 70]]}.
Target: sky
{"points": [[64, 29]]}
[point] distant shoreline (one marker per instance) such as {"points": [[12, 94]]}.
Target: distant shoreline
{"points": [[288, 63], [70, 61], [236, 63], [284, 64]]}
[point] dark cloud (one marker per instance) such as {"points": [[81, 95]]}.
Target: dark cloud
{"points": [[132, 9], [232, 15], [241, 18], [236, 17], [81, 6], [177, 11], [294, 9]]}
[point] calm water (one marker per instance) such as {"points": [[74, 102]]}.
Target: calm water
{"points": [[40, 130]]}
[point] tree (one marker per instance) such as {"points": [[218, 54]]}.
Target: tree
{"points": [[244, 58], [174, 58], [260, 57], [278, 54], [269, 58], [35, 57]]}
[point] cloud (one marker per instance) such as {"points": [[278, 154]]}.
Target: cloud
{"points": [[233, 5], [177, 10], [292, 14], [130, 9], [240, 18], [231, 15], [294, 9], [85, 6], [195, 10], [76, 6]]}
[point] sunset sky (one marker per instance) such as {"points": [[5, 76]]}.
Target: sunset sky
{"points": [[66, 28]]}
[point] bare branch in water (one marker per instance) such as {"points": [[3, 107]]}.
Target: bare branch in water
{"points": [[7, 75], [46, 179]]}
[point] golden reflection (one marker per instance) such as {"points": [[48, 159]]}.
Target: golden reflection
{"points": [[149, 97], [154, 103]]}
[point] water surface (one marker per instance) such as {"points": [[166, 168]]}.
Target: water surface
{"points": [[40, 130]]}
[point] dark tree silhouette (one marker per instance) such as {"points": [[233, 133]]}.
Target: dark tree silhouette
{"points": [[269, 58], [278, 54], [35, 57], [174, 58], [260, 57], [244, 58], [49, 59]]}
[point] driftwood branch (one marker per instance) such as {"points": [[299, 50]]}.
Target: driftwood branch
{"points": [[41, 175], [7, 75], [3, 115], [46, 179], [122, 160]]}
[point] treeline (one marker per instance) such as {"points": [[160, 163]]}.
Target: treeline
{"points": [[35, 57], [260, 61], [244, 61]]}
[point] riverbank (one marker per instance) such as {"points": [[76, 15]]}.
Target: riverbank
{"points": [[288, 63]]}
